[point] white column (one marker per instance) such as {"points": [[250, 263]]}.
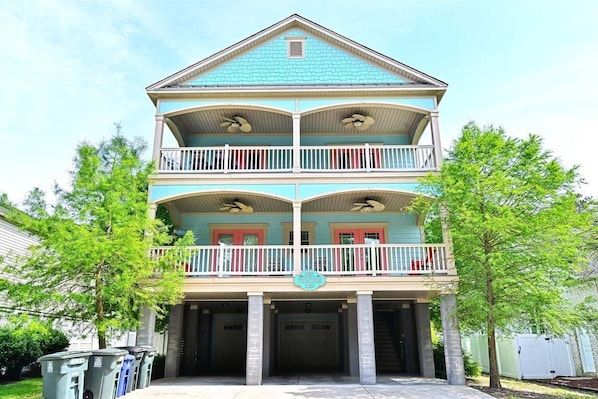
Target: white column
{"points": [[151, 210], [435, 128], [296, 237], [158, 138], [296, 142], [447, 239]]}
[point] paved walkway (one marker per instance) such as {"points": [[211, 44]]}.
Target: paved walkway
{"points": [[305, 388]]}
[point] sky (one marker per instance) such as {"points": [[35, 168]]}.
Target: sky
{"points": [[72, 69]]}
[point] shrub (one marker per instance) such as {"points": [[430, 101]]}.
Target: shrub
{"points": [[472, 368], [23, 341]]}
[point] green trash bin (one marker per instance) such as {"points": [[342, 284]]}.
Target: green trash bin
{"points": [[138, 352], [64, 374], [145, 369], [103, 370]]}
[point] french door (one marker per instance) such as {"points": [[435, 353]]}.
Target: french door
{"points": [[355, 158], [235, 254], [367, 256]]}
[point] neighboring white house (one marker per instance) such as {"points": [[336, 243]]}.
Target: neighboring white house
{"points": [[15, 243], [531, 356]]}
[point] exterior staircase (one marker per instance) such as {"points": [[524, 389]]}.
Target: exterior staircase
{"points": [[386, 352]]}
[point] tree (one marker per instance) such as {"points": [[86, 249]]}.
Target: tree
{"points": [[92, 260], [519, 236]]}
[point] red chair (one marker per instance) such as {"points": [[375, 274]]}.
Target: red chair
{"points": [[423, 264]]}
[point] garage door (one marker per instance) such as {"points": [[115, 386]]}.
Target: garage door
{"points": [[305, 344]]}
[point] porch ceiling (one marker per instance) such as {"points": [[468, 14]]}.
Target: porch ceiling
{"points": [[343, 202], [213, 202], [388, 120], [335, 203], [208, 121]]}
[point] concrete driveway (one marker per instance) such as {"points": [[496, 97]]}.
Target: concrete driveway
{"points": [[305, 388]]}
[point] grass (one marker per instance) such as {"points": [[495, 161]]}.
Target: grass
{"points": [[518, 389], [27, 389]]}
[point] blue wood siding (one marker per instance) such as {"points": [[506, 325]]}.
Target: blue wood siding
{"points": [[315, 140], [159, 192], [268, 64], [402, 228], [168, 106], [240, 140]]}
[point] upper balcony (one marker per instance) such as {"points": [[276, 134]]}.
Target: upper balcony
{"points": [[277, 159], [369, 137]]}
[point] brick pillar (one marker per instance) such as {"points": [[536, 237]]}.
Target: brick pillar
{"points": [[453, 355], [352, 340], [255, 338], [147, 326], [424, 340], [175, 330], [365, 335]]}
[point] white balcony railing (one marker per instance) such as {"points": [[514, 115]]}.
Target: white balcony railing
{"points": [[268, 159], [338, 260], [368, 158], [226, 159]]}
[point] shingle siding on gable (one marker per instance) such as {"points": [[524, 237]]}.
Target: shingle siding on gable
{"points": [[268, 64]]}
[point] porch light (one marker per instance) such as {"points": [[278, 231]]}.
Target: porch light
{"points": [[357, 123]]}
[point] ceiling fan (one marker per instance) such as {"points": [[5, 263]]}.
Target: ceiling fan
{"points": [[358, 121], [236, 124], [369, 205], [236, 207]]}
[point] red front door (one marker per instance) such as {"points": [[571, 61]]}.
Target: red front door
{"points": [[366, 257], [233, 254]]}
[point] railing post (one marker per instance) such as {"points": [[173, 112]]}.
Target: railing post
{"points": [[296, 237], [226, 158], [367, 157]]}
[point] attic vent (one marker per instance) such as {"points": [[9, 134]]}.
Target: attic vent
{"points": [[295, 47]]}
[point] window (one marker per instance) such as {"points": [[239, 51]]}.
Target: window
{"points": [[308, 232], [304, 237], [296, 47]]}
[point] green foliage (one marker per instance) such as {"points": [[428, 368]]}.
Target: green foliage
{"points": [[26, 389], [92, 262], [23, 341], [472, 368], [520, 237]]}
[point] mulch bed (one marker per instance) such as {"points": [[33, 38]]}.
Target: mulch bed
{"points": [[506, 393], [583, 384], [589, 384]]}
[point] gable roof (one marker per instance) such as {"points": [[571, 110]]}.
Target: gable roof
{"points": [[406, 75]]}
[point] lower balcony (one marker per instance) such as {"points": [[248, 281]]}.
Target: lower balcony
{"points": [[333, 260]]}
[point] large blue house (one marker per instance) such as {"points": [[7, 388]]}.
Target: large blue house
{"points": [[297, 159]]}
